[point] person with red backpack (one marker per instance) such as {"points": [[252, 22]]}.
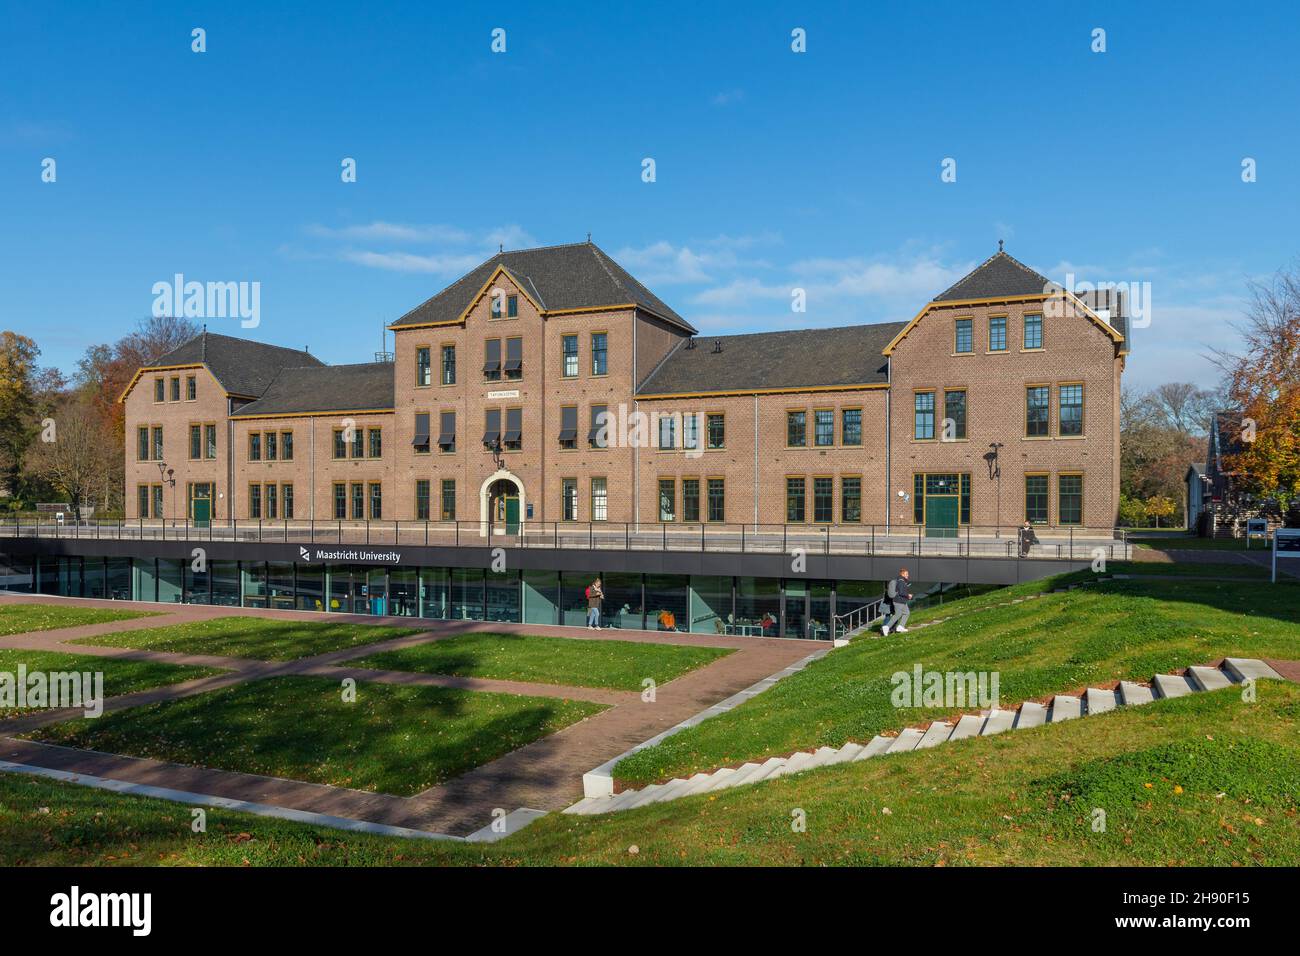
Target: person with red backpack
{"points": [[594, 596]]}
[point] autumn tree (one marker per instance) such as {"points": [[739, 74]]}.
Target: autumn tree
{"points": [[73, 451]]}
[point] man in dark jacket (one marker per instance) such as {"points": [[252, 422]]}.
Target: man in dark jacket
{"points": [[900, 590], [1027, 538]]}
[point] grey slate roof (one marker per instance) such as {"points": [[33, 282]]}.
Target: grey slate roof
{"points": [[576, 276], [243, 367], [1111, 304], [849, 355], [326, 388], [998, 276]]}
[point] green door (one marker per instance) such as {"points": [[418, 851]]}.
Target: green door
{"points": [[512, 515], [941, 516], [202, 506]]}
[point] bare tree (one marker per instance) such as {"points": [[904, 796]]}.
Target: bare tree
{"points": [[73, 451], [1184, 407]]}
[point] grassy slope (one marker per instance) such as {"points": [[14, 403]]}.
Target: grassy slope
{"points": [[120, 676], [21, 618], [1055, 643], [549, 660], [393, 739], [1205, 780], [263, 639]]}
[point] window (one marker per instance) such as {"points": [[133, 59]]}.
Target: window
{"points": [[514, 359], [850, 499], [918, 499], [157, 433], [823, 499], [1036, 498], [794, 499], [1069, 499], [667, 431], [159, 390], [358, 501], [954, 414], [271, 501], [449, 365], [142, 501], [255, 500], [599, 350], [1036, 411], [1033, 331], [569, 427], [191, 388], [423, 366], [964, 517], [286, 496], [1069, 420], [210, 441], [717, 491], [196, 442], [491, 426], [569, 499], [998, 333], [512, 306], [599, 500], [691, 430], [158, 501], [376, 500], [420, 440], [796, 429], [690, 499], [447, 431], [569, 349], [376, 436], [340, 500], [923, 425], [142, 443], [965, 337], [514, 436], [851, 426], [340, 444], [286, 446], [598, 436], [449, 499], [667, 499], [716, 426], [176, 388], [358, 442], [498, 299], [271, 446], [824, 427], [422, 499], [492, 360]]}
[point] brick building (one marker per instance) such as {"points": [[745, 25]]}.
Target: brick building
{"points": [[550, 386]]}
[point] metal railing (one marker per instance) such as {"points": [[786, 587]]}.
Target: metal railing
{"points": [[969, 541], [845, 625]]}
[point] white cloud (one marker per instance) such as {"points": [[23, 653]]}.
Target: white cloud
{"points": [[394, 231], [410, 262], [727, 97]]}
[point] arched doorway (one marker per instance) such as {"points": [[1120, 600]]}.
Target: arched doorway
{"points": [[501, 503]]}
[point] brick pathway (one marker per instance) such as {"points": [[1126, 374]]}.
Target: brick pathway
{"points": [[544, 775]]}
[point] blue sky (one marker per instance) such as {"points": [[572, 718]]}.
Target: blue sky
{"points": [[774, 169]]}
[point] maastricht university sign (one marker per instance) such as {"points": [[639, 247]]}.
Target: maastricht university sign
{"points": [[314, 555]]}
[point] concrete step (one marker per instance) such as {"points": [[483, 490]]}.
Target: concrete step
{"points": [[714, 781], [1031, 714], [845, 753], [822, 756], [696, 782], [1132, 694], [1099, 701], [622, 800], [793, 764], [997, 722], [1245, 668], [905, 741], [876, 746], [744, 773], [1209, 678], [1167, 685], [967, 726], [1064, 708], [769, 767], [584, 806], [936, 734], [647, 795]]}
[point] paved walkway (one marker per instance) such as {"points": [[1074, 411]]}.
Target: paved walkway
{"points": [[543, 775]]}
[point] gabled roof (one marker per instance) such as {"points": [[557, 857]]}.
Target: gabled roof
{"points": [[325, 388], [998, 276], [775, 361], [556, 278], [243, 367]]}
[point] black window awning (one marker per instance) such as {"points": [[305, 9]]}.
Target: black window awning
{"points": [[446, 439], [490, 436], [568, 434], [514, 365], [512, 436]]}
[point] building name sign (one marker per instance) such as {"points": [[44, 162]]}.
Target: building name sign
{"points": [[505, 393], [363, 555]]}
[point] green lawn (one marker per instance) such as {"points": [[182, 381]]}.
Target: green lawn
{"points": [[1204, 780], [1205, 569], [393, 739], [120, 676], [21, 618], [262, 639], [622, 665], [1055, 643], [1194, 543]]}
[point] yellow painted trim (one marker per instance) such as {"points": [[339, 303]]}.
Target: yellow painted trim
{"points": [[792, 390], [367, 411]]}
